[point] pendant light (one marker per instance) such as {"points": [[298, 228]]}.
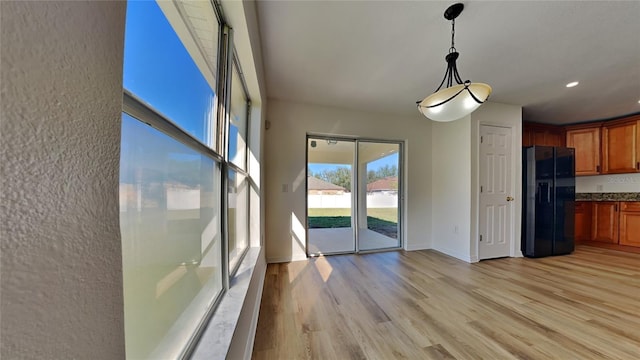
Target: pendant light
{"points": [[454, 101]]}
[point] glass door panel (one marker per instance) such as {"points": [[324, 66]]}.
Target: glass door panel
{"points": [[379, 186], [330, 210]]}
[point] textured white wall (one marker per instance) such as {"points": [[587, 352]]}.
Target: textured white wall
{"points": [[285, 164], [451, 187], [60, 129]]}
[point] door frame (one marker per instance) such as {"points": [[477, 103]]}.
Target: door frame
{"points": [[516, 187], [355, 189]]}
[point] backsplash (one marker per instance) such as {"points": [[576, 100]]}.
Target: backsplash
{"points": [[619, 183], [632, 196]]}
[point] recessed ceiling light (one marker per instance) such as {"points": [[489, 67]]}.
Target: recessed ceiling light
{"points": [[572, 84]]}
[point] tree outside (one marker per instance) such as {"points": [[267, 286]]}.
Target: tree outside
{"points": [[340, 175]]}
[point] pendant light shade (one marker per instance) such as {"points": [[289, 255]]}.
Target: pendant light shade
{"points": [[455, 100]]}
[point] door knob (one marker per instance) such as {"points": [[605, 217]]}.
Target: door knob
{"points": [[509, 198]]}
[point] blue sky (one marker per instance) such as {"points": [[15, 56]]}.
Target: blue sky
{"points": [[374, 165], [159, 70]]}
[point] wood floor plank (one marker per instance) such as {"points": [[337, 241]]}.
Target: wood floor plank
{"points": [[426, 305], [438, 352]]}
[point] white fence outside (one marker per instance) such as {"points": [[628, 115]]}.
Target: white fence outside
{"points": [[374, 200]]}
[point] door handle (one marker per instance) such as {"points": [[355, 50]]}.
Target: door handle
{"points": [[509, 198]]}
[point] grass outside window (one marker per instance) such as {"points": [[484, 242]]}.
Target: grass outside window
{"points": [[380, 220]]}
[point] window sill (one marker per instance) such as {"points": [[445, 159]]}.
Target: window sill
{"points": [[216, 338]]}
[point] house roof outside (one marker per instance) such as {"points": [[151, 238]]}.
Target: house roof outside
{"points": [[313, 183], [388, 183]]}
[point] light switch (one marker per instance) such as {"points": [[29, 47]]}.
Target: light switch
{"points": [[285, 188]]}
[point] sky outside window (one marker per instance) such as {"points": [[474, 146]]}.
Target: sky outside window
{"points": [[159, 70]]}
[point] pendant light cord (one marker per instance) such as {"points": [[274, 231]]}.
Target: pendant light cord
{"points": [[452, 70], [453, 34]]}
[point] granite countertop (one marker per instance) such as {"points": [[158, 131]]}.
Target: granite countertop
{"points": [[631, 196]]}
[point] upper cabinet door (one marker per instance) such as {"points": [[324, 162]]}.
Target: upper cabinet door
{"points": [[587, 145], [527, 134], [555, 138], [638, 144], [542, 134], [620, 153]]}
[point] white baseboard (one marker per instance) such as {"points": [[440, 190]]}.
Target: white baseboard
{"points": [[455, 254], [284, 260], [248, 351], [414, 247]]}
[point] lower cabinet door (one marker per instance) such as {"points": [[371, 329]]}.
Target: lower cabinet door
{"points": [[604, 226], [630, 224], [583, 221]]}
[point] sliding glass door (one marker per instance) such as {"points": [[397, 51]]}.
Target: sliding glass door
{"points": [[378, 195], [353, 195], [330, 215]]}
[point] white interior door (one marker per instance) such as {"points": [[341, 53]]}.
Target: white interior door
{"points": [[496, 198]]}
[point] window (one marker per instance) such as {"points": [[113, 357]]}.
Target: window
{"points": [[173, 166], [171, 239], [237, 216], [174, 73], [237, 183], [238, 121], [170, 182]]}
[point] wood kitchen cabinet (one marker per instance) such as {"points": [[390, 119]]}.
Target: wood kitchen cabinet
{"points": [[542, 135], [620, 147], [554, 138], [609, 224], [630, 223], [586, 140], [582, 221], [604, 223]]}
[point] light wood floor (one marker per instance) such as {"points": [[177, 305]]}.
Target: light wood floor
{"points": [[425, 305]]}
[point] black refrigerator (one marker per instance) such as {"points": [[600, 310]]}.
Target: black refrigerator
{"points": [[548, 210]]}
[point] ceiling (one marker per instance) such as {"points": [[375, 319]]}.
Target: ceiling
{"points": [[383, 56], [337, 151]]}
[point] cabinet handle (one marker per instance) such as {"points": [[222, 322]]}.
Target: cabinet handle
{"points": [[598, 168], [615, 207], [638, 165]]}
